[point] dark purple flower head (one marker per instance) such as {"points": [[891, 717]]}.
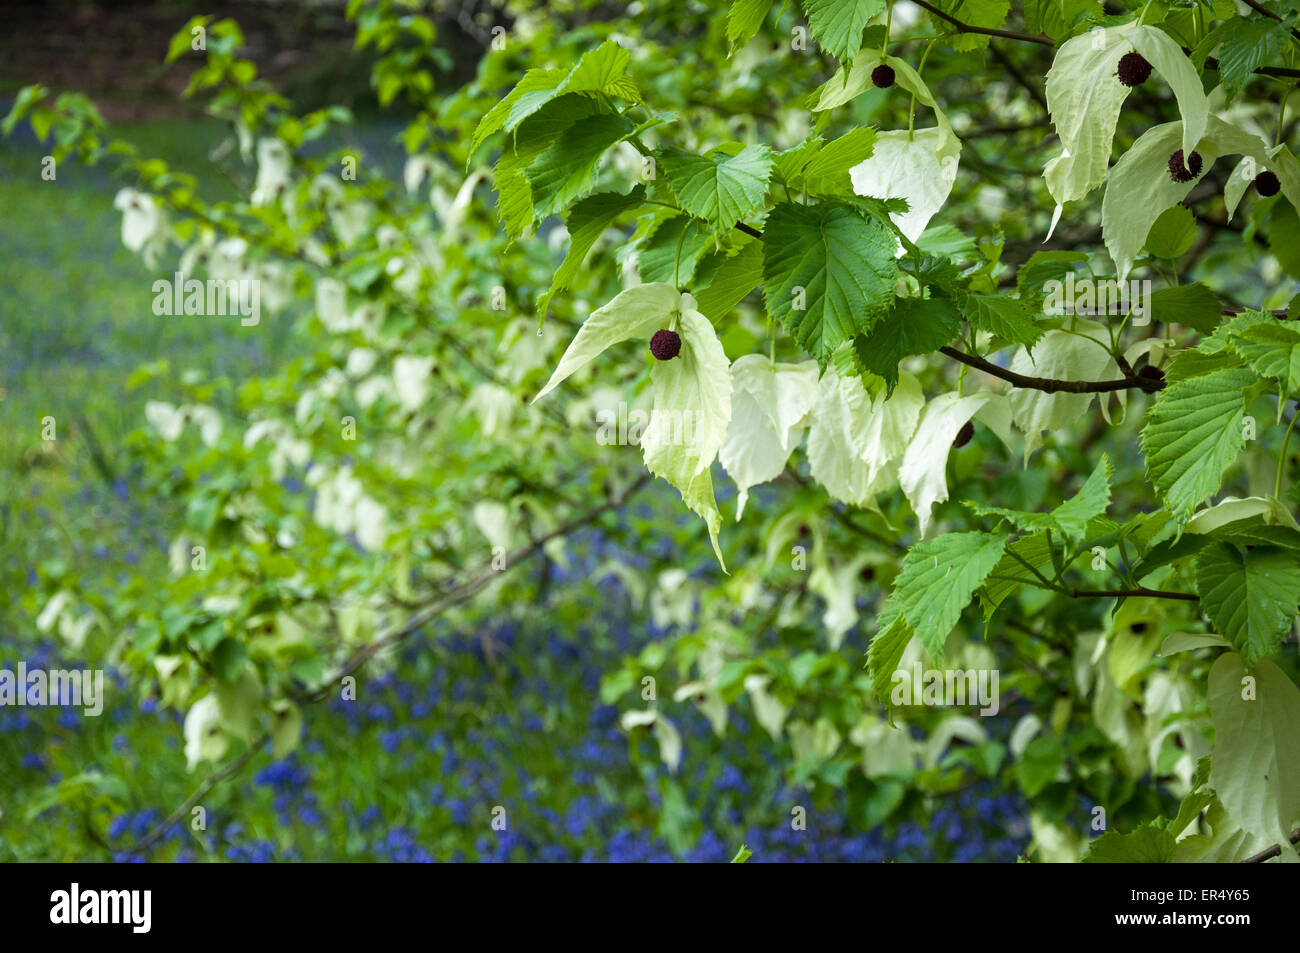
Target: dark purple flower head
{"points": [[1133, 70], [1266, 183], [1184, 172], [665, 345]]}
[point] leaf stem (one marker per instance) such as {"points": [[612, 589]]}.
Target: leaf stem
{"points": [[1281, 456]]}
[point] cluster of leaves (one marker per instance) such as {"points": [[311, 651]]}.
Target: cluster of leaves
{"points": [[750, 184]]}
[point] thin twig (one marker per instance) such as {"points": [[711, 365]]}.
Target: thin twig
{"points": [[211, 781], [1274, 851], [395, 635]]}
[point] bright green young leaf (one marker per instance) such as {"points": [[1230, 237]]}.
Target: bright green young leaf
{"points": [[745, 19], [1173, 233], [672, 249], [565, 170], [1248, 44], [988, 14], [1273, 349], [587, 221], [735, 278], [837, 24], [720, 188], [1070, 518], [1193, 434], [1149, 844], [937, 582], [1006, 318], [602, 70], [827, 171]]}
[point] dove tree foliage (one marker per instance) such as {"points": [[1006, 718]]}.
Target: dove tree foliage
{"points": [[886, 447]]}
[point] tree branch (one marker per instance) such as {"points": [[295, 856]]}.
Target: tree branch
{"points": [[1039, 39], [1260, 8], [1274, 851], [444, 601], [1051, 385], [968, 28], [211, 781], [467, 590], [1139, 591]]}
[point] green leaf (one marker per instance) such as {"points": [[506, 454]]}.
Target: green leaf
{"points": [[1172, 234], [602, 70], [1248, 44], [537, 88], [587, 221], [538, 134], [672, 249], [914, 326], [1251, 596], [637, 312], [1255, 767], [1193, 434], [1039, 764], [1004, 317], [228, 659], [827, 170], [989, 14], [721, 189], [1284, 238], [1149, 844], [735, 278], [1071, 517], [1273, 350], [837, 24], [1011, 573], [183, 40], [1193, 305], [833, 261], [1042, 267], [565, 169], [885, 652], [936, 583], [744, 19]]}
